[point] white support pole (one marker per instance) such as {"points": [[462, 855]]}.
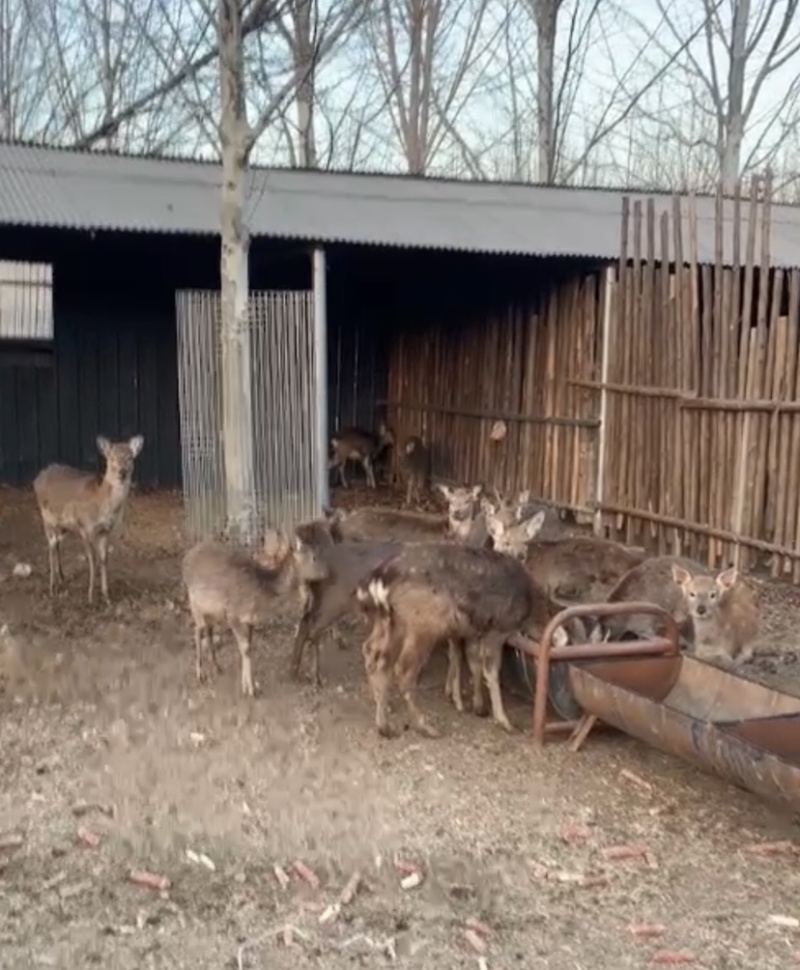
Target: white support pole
{"points": [[609, 282], [321, 376]]}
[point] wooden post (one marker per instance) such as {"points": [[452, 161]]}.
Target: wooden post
{"points": [[320, 377], [610, 277]]}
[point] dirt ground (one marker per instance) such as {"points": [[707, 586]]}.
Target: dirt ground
{"points": [[103, 730]]}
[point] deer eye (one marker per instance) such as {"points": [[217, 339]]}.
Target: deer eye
{"points": [[713, 595], [692, 595]]}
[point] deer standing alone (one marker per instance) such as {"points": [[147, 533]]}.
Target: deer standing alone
{"points": [[75, 501], [417, 467], [357, 444]]}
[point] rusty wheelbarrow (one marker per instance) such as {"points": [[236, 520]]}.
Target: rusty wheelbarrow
{"points": [[713, 718]]}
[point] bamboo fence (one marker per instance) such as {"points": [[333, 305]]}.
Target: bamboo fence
{"points": [[451, 384]]}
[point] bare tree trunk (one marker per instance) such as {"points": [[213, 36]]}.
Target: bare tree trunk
{"points": [[545, 13], [304, 72], [237, 373], [731, 149]]}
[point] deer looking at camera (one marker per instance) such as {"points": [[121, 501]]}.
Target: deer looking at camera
{"points": [[717, 615], [75, 501]]}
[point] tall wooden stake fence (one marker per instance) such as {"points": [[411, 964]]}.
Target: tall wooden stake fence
{"points": [[701, 390], [661, 396], [453, 384]]}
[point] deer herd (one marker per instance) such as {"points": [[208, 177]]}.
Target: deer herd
{"points": [[470, 579]]}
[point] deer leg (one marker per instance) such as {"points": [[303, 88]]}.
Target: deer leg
{"points": [[89, 549], [300, 640], [53, 558], [379, 674], [102, 555], [201, 630], [316, 680], [412, 658], [213, 648], [341, 475], [452, 683], [475, 661], [244, 639], [492, 650], [370, 471]]}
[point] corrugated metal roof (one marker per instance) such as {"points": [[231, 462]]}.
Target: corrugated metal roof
{"points": [[88, 190]]}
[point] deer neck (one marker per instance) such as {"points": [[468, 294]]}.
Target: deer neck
{"points": [[114, 491]]}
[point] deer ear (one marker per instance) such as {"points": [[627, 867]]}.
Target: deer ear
{"points": [[727, 578], [495, 526], [534, 525], [445, 490], [136, 444], [103, 445], [560, 637], [476, 490], [681, 576]]}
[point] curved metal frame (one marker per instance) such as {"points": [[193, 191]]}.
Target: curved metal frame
{"points": [[544, 653]]}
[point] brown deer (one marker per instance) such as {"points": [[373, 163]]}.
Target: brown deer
{"points": [[330, 595], [465, 513], [724, 614], [417, 467], [75, 501], [229, 587], [357, 444], [434, 592], [518, 513], [652, 581], [370, 523], [572, 568]]}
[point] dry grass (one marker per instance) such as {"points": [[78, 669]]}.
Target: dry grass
{"points": [[101, 707]]}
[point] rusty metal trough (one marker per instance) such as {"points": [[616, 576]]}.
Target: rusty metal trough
{"points": [[713, 718]]}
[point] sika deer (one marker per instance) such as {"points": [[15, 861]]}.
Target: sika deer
{"points": [[433, 592], [465, 514], [76, 501], [523, 510], [417, 467], [724, 614], [228, 586], [331, 595], [357, 444], [370, 523], [573, 568], [653, 581]]}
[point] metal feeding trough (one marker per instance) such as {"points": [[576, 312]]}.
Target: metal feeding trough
{"points": [[745, 732]]}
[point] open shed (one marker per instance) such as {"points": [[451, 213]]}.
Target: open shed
{"points": [[449, 305]]}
